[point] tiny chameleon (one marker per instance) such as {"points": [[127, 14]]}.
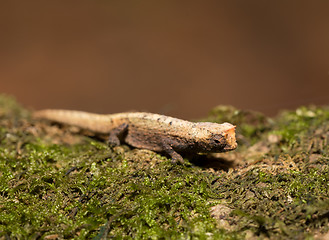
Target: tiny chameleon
{"points": [[155, 132]]}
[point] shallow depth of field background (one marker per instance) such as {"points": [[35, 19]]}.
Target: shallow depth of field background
{"points": [[179, 58]]}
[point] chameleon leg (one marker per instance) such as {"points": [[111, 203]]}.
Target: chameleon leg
{"points": [[116, 134], [176, 157]]}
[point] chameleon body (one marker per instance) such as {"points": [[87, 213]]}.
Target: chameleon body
{"points": [[151, 131]]}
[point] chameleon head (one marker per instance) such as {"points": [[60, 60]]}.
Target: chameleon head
{"points": [[229, 135], [214, 137]]}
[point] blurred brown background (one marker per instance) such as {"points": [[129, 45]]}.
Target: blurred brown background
{"points": [[179, 58]]}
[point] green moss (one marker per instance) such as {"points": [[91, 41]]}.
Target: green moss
{"points": [[298, 127], [51, 187]]}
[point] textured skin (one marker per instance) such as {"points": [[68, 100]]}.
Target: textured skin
{"points": [[151, 131]]}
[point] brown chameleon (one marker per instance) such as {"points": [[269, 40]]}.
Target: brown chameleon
{"points": [[151, 131]]}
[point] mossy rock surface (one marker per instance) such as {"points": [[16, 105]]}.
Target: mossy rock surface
{"points": [[56, 183]]}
